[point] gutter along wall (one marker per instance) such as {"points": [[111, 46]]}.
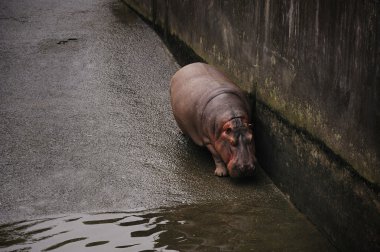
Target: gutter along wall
{"points": [[313, 69]]}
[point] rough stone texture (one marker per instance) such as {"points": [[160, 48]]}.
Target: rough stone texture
{"points": [[319, 183], [314, 70]]}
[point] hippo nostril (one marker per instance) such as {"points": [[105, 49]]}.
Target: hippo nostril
{"points": [[247, 167], [248, 170]]}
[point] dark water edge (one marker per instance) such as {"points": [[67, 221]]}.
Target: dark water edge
{"points": [[227, 226]]}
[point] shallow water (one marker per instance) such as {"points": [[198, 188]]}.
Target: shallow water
{"points": [[208, 227]]}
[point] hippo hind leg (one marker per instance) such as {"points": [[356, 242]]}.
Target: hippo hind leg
{"points": [[220, 167]]}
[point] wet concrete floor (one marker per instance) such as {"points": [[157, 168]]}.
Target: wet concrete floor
{"points": [[86, 126]]}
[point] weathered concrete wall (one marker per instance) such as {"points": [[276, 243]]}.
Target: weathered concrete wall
{"points": [[313, 67]]}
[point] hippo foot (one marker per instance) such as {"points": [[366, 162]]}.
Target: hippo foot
{"points": [[221, 171]]}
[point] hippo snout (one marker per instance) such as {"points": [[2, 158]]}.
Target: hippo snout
{"points": [[238, 171]]}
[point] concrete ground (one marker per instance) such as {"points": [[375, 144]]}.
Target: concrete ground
{"points": [[85, 118], [86, 123]]}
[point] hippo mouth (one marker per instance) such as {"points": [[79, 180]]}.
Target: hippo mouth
{"points": [[238, 171]]}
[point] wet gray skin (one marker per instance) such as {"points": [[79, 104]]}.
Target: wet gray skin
{"points": [[86, 126]]}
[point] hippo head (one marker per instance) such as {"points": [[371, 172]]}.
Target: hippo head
{"points": [[236, 147]]}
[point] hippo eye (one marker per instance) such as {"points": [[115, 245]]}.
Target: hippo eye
{"points": [[228, 131]]}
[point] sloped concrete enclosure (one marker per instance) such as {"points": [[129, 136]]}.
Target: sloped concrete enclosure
{"points": [[312, 68]]}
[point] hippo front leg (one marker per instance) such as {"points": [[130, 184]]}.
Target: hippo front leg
{"points": [[220, 167]]}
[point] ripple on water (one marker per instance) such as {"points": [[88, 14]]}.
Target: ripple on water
{"points": [[208, 227]]}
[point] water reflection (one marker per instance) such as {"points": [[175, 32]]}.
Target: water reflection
{"points": [[209, 227]]}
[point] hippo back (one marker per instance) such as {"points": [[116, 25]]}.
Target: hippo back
{"points": [[192, 88]]}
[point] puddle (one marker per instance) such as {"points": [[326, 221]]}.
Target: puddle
{"points": [[207, 227]]}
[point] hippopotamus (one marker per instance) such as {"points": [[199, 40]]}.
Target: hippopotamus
{"points": [[215, 113]]}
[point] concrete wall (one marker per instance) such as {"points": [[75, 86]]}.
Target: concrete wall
{"points": [[313, 67]]}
